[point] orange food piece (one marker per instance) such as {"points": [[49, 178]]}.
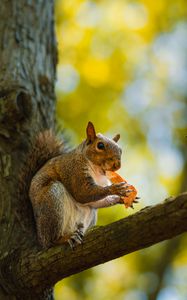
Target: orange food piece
{"points": [[116, 178]]}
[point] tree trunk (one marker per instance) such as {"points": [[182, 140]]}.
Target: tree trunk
{"points": [[27, 104]]}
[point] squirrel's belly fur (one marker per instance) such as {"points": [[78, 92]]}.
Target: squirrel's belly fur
{"points": [[77, 214]]}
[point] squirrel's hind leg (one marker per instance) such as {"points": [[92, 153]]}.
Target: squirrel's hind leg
{"points": [[49, 213]]}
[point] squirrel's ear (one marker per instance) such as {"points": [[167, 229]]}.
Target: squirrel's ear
{"points": [[90, 131], [116, 138]]}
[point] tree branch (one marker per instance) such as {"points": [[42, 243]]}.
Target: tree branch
{"points": [[41, 269]]}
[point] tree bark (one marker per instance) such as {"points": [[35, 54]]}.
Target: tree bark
{"points": [[39, 270], [27, 104]]}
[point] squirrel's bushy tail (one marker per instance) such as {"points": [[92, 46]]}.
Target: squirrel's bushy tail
{"points": [[44, 147]]}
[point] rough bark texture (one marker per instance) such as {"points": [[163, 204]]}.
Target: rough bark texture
{"points": [[27, 101], [38, 270]]}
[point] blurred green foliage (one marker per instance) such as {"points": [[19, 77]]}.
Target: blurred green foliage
{"points": [[123, 65]]}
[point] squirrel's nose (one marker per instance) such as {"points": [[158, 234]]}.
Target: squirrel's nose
{"points": [[117, 165]]}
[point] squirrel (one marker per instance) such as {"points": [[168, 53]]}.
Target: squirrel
{"points": [[66, 187]]}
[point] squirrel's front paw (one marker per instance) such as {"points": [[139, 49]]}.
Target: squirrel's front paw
{"points": [[120, 189], [77, 237]]}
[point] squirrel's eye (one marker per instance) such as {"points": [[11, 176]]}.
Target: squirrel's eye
{"points": [[100, 146]]}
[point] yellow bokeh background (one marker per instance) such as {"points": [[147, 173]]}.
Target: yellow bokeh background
{"points": [[123, 65]]}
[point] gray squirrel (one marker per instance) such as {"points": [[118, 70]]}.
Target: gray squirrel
{"points": [[67, 187]]}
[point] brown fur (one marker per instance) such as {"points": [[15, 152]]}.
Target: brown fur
{"points": [[44, 147], [66, 190]]}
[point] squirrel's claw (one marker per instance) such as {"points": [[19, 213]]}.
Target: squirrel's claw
{"points": [[74, 240], [77, 237], [135, 201], [71, 244]]}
